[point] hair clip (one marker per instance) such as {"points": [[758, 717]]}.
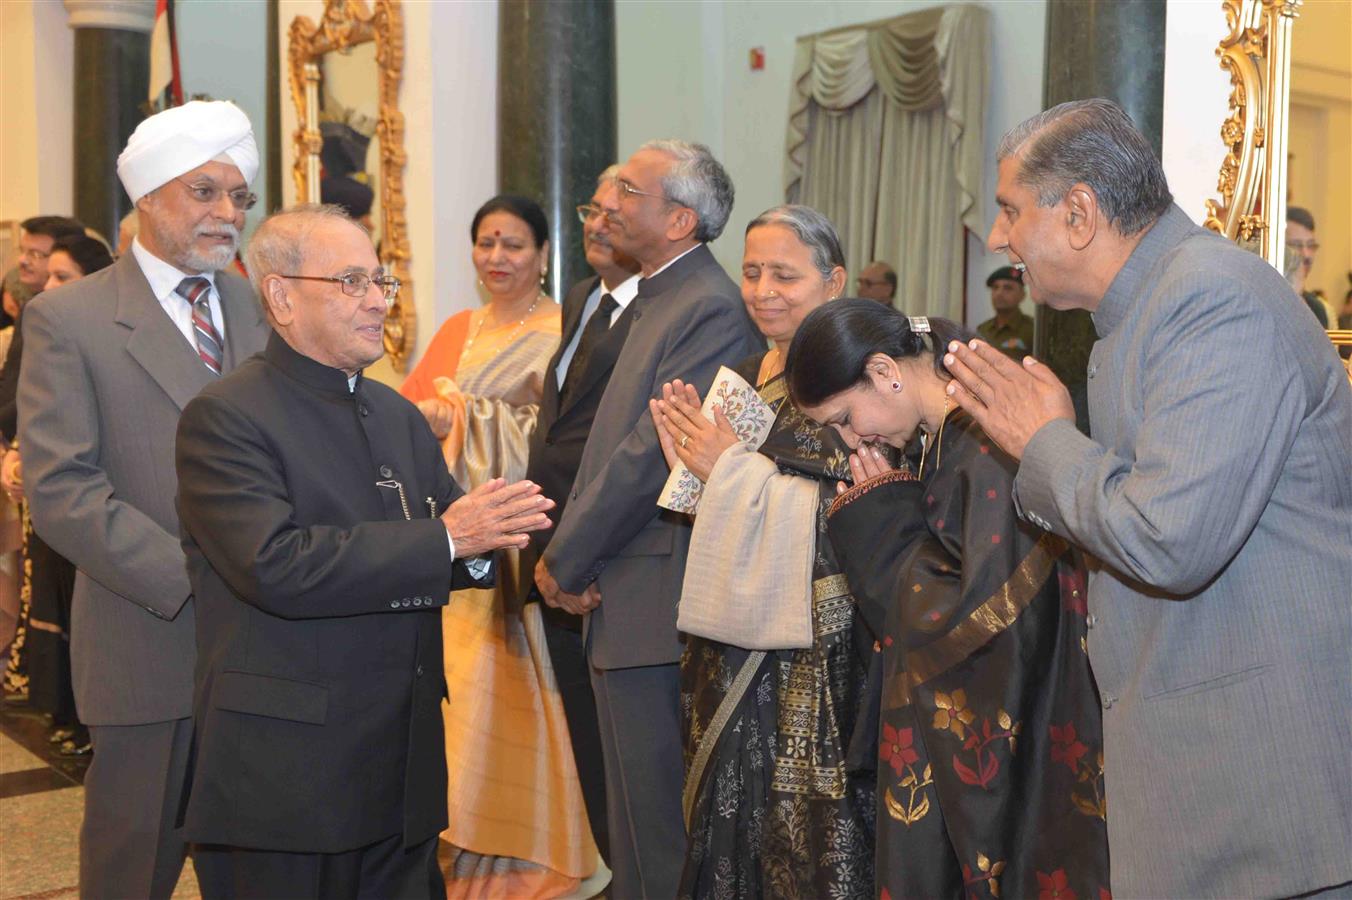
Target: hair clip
{"points": [[919, 324]]}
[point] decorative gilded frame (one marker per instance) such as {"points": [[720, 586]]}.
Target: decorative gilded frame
{"points": [[346, 23], [1252, 184]]}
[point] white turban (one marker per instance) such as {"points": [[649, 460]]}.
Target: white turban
{"points": [[182, 138]]}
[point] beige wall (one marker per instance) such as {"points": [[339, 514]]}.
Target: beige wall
{"points": [[36, 149]]}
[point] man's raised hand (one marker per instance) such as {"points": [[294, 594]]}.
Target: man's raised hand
{"points": [[496, 515]]}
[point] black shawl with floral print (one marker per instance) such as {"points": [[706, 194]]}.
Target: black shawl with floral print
{"points": [[990, 762]]}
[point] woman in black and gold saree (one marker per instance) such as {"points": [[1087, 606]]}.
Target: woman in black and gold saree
{"points": [[770, 807], [990, 763]]}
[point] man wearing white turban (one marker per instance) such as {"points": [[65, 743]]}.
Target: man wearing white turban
{"points": [[111, 361]]}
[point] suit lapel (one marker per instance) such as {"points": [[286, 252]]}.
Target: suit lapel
{"points": [[156, 343], [242, 316], [603, 357]]}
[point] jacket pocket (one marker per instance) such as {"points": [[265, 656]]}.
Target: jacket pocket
{"points": [[268, 695], [1168, 692]]}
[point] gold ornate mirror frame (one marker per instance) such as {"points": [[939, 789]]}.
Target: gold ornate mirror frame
{"points": [[1256, 52], [346, 23]]}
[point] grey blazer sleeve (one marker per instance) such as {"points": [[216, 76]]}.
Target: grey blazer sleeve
{"points": [[622, 498], [71, 500], [1219, 421]]}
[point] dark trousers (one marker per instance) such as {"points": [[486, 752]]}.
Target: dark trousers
{"points": [[380, 870], [638, 710], [563, 635], [129, 845]]}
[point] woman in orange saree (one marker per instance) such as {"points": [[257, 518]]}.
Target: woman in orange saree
{"points": [[518, 826]]}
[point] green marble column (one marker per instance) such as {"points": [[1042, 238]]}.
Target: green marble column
{"points": [[556, 114], [1099, 48], [112, 74]]}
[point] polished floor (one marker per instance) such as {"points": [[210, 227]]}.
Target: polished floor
{"points": [[41, 800]]}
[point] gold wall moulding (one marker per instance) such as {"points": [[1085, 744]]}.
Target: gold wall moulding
{"points": [[1257, 54], [344, 25]]}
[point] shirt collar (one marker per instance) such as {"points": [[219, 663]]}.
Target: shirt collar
{"points": [[624, 292], [308, 371], [1161, 238], [163, 278], [673, 271]]}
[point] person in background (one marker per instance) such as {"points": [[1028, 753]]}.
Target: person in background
{"points": [[1010, 331], [1301, 249], [36, 235], [596, 320], [50, 577], [14, 295], [878, 282], [518, 822], [126, 233]]}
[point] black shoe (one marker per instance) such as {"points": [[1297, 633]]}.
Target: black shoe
{"points": [[70, 748], [60, 735]]}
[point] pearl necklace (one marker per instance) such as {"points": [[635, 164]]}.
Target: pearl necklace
{"points": [[515, 331]]}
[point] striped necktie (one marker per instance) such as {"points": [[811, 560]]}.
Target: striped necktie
{"points": [[209, 343]]}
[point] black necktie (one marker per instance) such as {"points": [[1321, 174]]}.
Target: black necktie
{"points": [[592, 332]]}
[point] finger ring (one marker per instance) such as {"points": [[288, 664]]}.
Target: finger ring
{"points": [[685, 439]]}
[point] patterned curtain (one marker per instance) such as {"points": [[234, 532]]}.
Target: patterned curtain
{"points": [[885, 138]]}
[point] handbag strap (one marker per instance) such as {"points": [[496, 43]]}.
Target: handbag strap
{"points": [[709, 740]]}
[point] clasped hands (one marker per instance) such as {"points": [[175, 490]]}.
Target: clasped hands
{"points": [[686, 436], [1011, 401], [495, 516]]}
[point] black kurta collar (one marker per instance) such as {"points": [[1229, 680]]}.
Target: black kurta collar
{"points": [[1168, 230], [306, 370], [674, 273]]}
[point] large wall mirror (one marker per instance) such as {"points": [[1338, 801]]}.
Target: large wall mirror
{"points": [[345, 76], [1288, 138]]}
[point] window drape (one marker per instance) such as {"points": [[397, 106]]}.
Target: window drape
{"points": [[885, 138]]}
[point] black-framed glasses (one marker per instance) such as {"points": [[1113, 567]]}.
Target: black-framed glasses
{"points": [[587, 211], [208, 193], [628, 189], [356, 284], [1302, 246]]}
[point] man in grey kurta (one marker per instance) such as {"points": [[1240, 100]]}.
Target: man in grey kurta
{"points": [[1215, 496]]}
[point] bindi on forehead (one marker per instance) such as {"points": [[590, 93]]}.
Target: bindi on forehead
{"points": [[497, 233]]}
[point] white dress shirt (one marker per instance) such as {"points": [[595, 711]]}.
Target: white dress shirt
{"points": [[623, 293], [164, 279], [669, 263]]}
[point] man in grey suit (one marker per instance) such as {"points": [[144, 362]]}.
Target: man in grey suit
{"points": [[1215, 495], [111, 361], [615, 555]]}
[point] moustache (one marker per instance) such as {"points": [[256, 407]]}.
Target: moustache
{"points": [[226, 230]]}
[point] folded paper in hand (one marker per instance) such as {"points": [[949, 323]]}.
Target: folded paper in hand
{"points": [[751, 419]]}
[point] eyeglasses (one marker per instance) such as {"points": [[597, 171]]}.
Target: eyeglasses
{"points": [[1301, 246], [627, 189], [586, 212], [870, 282], [33, 253], [207, 193], [356, 284]]}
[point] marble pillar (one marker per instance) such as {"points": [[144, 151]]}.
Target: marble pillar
{"points": [[556, 115], [112, 75], [1099, 48]]}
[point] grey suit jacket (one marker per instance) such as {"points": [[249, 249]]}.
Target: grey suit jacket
{"points": [[1217, 494], [687, 321], [105, 375]]}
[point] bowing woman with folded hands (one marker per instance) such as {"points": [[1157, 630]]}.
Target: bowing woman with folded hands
{"points": [[989, 748]]}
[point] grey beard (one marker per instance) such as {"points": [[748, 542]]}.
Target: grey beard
{"points": [[213, 260]]}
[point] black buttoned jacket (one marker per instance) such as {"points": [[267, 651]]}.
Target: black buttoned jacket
{"points": [[319, 570]]}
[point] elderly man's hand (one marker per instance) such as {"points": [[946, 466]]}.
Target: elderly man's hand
{"points": [[496, 515], [557, 597], [1009, 400], [11, 475]]}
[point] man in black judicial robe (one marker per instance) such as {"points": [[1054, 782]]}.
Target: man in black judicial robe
{"points": [[323, 535]]}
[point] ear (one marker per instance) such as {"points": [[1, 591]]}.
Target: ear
{"points": [[882, 371], [544, 257], [278, 300], [835, 285], [1082, 216], [681, 224]]}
